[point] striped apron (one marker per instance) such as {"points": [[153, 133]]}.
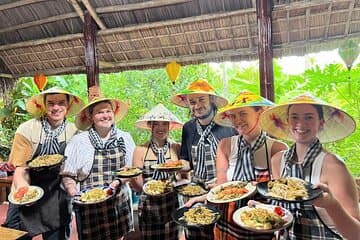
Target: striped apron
{"points": [[155, 221], [226, 228], [111, 219]]}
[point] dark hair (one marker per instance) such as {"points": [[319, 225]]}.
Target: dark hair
{"points": [[318, 109], [91, 107], [66, 95]]}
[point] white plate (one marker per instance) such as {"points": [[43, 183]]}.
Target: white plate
{"points": [[106, 188], [168, 190], [40, 193], [288, 218], [211, 196], [161, 167]]}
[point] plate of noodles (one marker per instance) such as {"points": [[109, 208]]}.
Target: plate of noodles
{"points": [[230, 191], [171, 165], [94, 195], [191, 189], [199, 215], [46, 161], [26, 195], [263, 218], [288, 190], [128, 172], [157, 188]]}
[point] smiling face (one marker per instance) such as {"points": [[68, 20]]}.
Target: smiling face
{"points": [[102, 115], [200, 105], [245, 120], [57, 106], [159, 130], [304, 122]]}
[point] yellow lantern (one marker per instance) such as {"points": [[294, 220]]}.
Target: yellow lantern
{"points": [[173, 71], [40, 81]]}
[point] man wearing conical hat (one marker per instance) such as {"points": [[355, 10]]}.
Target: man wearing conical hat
{"points": [[309, 122], [47, 133], [201, 135], [155, 221], [92, 158]]}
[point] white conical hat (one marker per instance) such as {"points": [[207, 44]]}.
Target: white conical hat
{"points": [[159, 113]]}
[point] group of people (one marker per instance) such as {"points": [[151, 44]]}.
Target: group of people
{"points": [[222, 142]]}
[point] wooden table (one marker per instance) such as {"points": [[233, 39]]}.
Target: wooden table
{"points": [[5, 186], [10, 234]]}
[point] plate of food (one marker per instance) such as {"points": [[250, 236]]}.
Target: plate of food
{"points": [[46, 161], [191, 189], [128, 172], [94, 195], [172, 165], [263, 218], [157, 188], [199, 215], [288, 190], [230, 191], [26, 195]]}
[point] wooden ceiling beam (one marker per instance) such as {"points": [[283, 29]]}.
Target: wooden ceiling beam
{"points": [[39, 22], [78, 9], [93, 14], [18, 4], [139, 6], [351, 8]]}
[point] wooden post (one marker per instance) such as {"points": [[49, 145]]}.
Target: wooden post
{"points": [[263, 10], [91, 61]]}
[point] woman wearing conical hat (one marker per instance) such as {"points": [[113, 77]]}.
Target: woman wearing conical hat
{"points": [[155, 220], [244, 157], [309, 122], [92, 157]]}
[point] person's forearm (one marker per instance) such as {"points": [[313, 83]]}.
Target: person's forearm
{"points": [[21, 177], [347, 225], [69, 185]]}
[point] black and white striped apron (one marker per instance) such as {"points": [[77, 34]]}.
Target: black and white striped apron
{"points": [[111, 219], [155, 220]]}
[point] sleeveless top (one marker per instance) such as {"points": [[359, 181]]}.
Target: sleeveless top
{"points": [[319, 224]]}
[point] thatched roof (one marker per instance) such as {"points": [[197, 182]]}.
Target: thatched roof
{"points": [[46, 36]]}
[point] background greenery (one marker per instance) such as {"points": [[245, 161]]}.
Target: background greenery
{"points": [[144, 89]]}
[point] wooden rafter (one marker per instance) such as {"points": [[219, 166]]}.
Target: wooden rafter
{"points": [[351, 8], [139, 6], [328, 20], [18, 4], [78, 9], [93, 14], [39, 22]]}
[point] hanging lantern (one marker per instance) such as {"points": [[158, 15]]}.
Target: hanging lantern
{"points": [[348, 52], [173, 71], [40, 81]]}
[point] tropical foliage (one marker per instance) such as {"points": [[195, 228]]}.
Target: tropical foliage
{"points": [[144, 89]]}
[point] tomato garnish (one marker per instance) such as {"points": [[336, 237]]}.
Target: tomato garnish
{"points": [[21, 192], [109, 192], [279, 211]]}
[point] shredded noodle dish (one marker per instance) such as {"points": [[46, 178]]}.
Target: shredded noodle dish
{"points": [[25, 194], [156, 187], [199, 215], [192, 190], [287, 188], [231, 191], [260, 218], [93, 195], [129, 172], [46, 160]]}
